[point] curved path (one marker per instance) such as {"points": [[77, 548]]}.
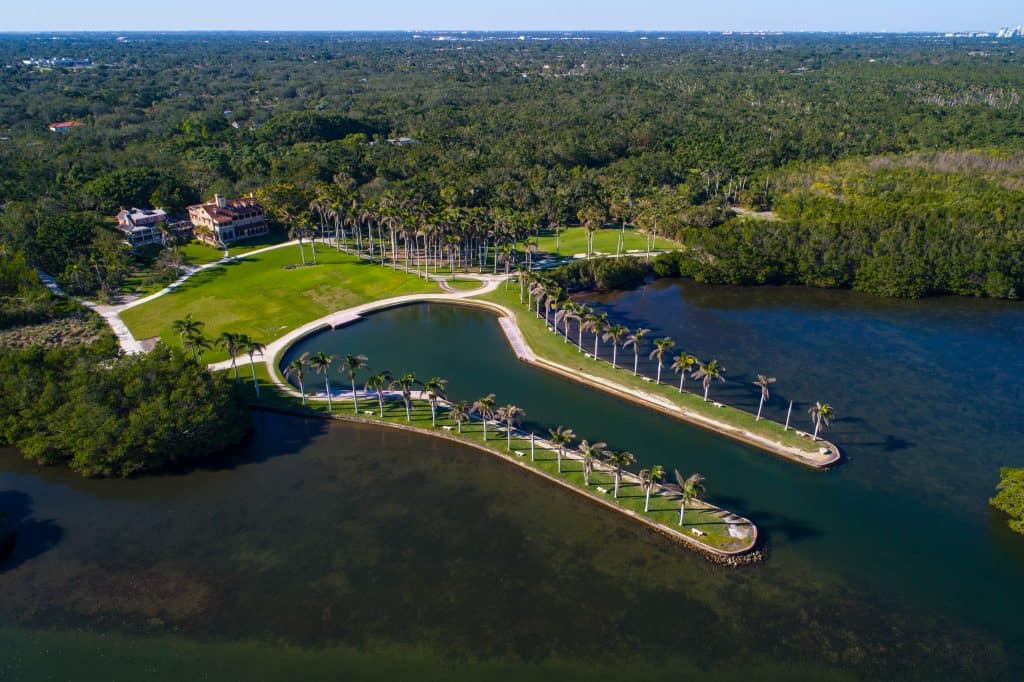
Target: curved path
{"points": [[510, 327]]}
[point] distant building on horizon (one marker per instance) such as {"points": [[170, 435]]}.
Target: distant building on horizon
{"points": [[222, 221], [64, 126]]}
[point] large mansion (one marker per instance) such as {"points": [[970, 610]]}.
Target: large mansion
{"points": [[222, 221]]}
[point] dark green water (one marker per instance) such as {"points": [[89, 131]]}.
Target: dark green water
{"points": [[328, 549]]}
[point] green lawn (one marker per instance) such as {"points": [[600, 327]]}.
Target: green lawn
{"points": [[665, 511], [465, 284], [573, 240], [198, 253], [259, 297], [553, 347]]}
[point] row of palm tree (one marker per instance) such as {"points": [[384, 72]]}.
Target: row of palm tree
{"points": [[435, 389], [190, 334], [396, 230], [539, 294]]}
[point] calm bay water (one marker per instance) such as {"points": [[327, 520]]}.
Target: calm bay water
{"points": [[323, 548]]}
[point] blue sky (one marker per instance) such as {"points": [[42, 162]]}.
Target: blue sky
{"points": [[796, 15]]}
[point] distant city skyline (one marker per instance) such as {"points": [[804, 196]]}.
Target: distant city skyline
{"points": [[525, 15]]}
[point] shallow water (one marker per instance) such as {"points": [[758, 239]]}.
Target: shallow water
{"points": [[326, 548]]}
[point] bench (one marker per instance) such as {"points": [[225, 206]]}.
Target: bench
{"points": [[447, 428], [369, 412], [602, 490], [698, 532], [519, 453]]}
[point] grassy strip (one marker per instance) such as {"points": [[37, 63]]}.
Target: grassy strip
{"points": [[573, 240], [631, 497], [465, 284], [553, 347], [267, 294]]}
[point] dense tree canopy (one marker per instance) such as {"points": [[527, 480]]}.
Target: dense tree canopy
{"points": [[666, 134], [121, 416]]}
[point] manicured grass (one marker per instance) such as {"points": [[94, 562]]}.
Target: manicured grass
{"points": [[465, 284], [198, 253], [260, 297], [664, 511], [573, 240], [553, 347]]}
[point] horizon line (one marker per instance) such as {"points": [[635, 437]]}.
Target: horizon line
{"points": [[501, 30]]}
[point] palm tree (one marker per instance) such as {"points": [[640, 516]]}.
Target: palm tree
{"points": [[596, 323], [250, 348], [485, 408], [619, 460], [354, 363], [648, 479], [321, 364], [197, 343], [822, 414], [406, 382], [763, 382], [459, 412], [590, 452], [709, 372], [661, 346], [615, 333], [510, 414], [684, 363], [378, 382], [634, 340], [186, 327], [690, 488], [435, 389], [299, 232], [231, 342], [298, 368], [562, 438]]}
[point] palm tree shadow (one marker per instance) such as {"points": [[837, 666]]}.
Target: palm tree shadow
{"points": [[769, 523], [23, 538]]}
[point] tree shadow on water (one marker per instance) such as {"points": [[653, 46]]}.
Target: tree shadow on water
{"points": [[770, 523], [22, 537]]}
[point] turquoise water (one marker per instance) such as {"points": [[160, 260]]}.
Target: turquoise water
{"points": [[319, 549]]}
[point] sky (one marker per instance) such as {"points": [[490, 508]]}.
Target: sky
{"points": [[524, 15]]}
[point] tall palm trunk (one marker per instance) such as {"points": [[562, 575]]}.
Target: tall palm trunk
{"points": [[327, 387], [647, 499], [615, 355], [682, 509], [380, 399], [302, 390], [618, 479], [234, 366], [759, 408], [302, 249], [659, 370], [355, 396], [636, 360]]}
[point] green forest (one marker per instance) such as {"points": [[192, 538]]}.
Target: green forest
{"points": [[890, 164]]}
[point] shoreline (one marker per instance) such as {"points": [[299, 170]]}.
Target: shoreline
{"points": [[525, 353], [746, 555]]}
